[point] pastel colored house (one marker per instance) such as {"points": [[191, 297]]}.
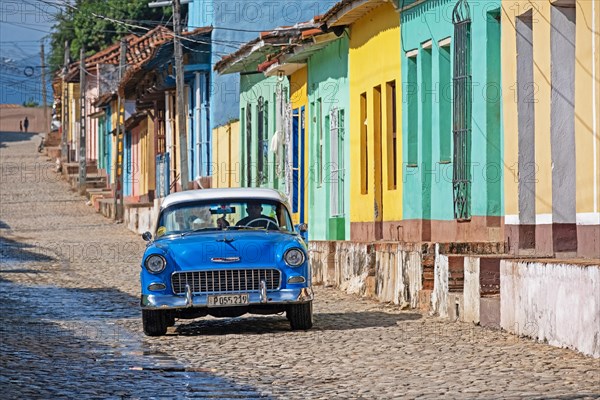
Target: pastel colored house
{"points": [[228, 19], [273, 109], [552, 144], [329, 145], [374, 117], [317, 63], [451, 122]]}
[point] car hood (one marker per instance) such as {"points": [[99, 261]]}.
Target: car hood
{"points": [[228, 249]]}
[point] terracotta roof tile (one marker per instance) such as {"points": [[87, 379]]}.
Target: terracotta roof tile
{"points": [[280, 36]]}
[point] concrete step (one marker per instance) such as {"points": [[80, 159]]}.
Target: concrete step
{"points": [[72, 168], [53, 139], [53, 152], [91, 182]]}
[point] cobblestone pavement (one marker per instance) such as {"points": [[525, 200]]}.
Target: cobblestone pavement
{"points": [[71, 326]]}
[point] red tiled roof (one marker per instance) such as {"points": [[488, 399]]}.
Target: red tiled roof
{"points": [[279, 36], [311, 32], [265, 66], [139, 49], [144, 49]]}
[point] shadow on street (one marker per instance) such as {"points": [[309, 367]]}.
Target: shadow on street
{"points": [[11, 137], [256, 325]]}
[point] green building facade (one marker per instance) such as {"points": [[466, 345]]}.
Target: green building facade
{"points": [[329, 144]]}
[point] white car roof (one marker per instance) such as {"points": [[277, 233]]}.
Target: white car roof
{"points": [[223, 194]]}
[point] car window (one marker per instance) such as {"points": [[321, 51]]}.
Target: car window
{"points": [[210, 216]]}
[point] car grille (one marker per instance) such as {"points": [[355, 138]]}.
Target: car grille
{"points": [[226, 281]]}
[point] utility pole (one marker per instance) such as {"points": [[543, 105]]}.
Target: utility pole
{"points": [[65, 106], [82, 121], [179, 87], [44, 104], [118, 198]]}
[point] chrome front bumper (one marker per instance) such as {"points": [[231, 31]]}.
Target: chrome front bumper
{"points": [[189, 300]]}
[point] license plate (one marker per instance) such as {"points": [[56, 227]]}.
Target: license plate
{"points": [[228, 300]]}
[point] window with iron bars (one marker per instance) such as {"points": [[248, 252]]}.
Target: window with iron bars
{"points": [[263, 140], [336, 148], [461, 179]]}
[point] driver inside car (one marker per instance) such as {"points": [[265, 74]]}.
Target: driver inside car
{"points": [[256, 219]]}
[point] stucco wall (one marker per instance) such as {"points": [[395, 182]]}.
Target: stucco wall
{"points": [[374, 60], [226, 156], [471, 292], [439, 296], [254, 86], [552, 302], [561, 170], [426, 30], [328, 82], [139, 219], [388, 272]]}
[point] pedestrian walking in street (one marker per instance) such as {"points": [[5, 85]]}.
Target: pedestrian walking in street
{"points": [[20, 126], [26, 124]]}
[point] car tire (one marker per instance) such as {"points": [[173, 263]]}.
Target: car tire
{"points": [[170, 317], [155, 322], [300, 316]]}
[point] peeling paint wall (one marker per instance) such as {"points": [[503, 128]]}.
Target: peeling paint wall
{"points": [[552, 302], [139, 219], [471, 290], [439, 297], [387, 272]]}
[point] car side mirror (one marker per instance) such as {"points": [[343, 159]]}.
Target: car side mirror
{"points": [[302, 230], [147, 236]]}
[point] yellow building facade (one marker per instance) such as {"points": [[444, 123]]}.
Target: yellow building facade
{"points": [[226, 156], [551, 75], [375, 123]]}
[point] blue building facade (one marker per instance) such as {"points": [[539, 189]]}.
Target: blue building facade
{"points": [[235, 23]]}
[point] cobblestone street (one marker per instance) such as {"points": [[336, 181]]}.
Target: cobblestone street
{"points": [[71, 325]]}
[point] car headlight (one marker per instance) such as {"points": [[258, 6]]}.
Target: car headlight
{"points": [[155, 263], [294, 257]]}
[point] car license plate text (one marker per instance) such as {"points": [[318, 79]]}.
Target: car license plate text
{"points": [[227, 300]]}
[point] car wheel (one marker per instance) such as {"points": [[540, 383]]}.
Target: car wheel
{"points": [[154, 322], [300, 316], [170, 317]]}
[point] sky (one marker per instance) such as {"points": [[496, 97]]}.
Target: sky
{"points": [[24, 24]]}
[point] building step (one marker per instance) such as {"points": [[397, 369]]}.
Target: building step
{"points": [[72, 168]]}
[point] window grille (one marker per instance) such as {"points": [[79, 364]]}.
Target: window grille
{"points": [[249, 146], [461, 180], [336, 121]]}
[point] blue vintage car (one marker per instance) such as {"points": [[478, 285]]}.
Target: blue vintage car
{"points": [[225, 253]]}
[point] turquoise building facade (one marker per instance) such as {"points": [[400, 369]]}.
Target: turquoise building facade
{"points": [[452, 125]]}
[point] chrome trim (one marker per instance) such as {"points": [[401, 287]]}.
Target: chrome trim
{"points": [[225, 259], [189, 299], [294, 248], [154, 286], [206, 279], [284, 296], [306, 294], [296, 279], [155, 272], [263, 291]]}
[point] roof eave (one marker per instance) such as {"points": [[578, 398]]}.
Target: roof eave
{"points": [[351, 11]]}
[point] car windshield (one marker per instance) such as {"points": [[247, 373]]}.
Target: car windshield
{"points": [[224, 215]]}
